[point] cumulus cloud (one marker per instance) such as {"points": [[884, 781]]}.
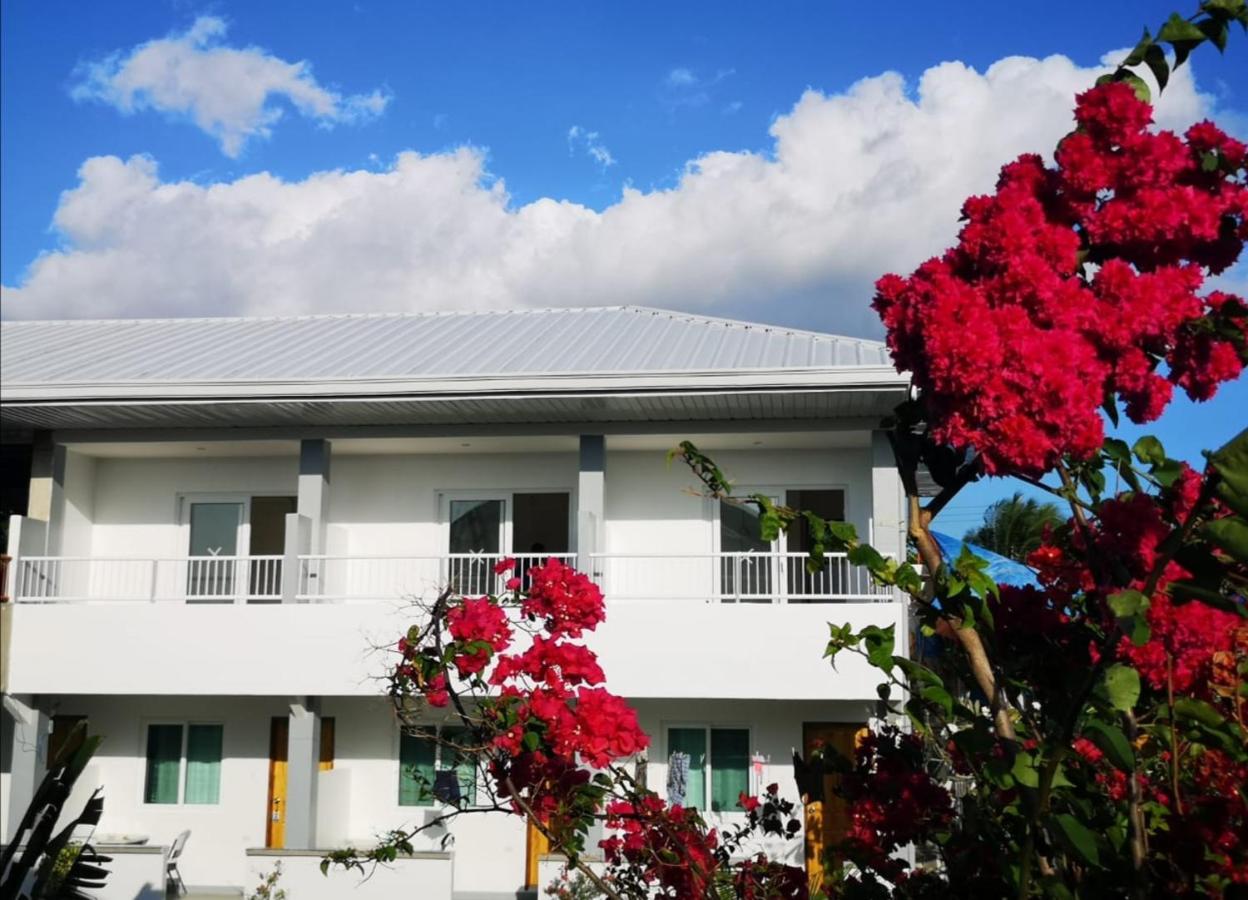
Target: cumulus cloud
{"points": [[591, 144], [851, 185], [230, 93]]}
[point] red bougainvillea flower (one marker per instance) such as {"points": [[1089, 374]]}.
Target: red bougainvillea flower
{"points": [[1015, 342]]}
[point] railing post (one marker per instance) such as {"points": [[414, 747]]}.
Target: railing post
{"points": [[28, 536], [298, 543]]}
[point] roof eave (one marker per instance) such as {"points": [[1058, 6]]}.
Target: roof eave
{"points": [[844, 378]]}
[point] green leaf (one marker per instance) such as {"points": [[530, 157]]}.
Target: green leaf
{"points": [[940, 697], [867, 556], [1117, 450], [1231, 463], [1197, 711], [1122, 685], [1112, 741], [1139, 85], [1155, 59], [1137, 55], [1231, 535], [1024, 770], [1128, 603], [1080, 838], [1178, 30], [880, 643], [1149, 450]]}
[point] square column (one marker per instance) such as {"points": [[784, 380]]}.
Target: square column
{"points": [[888, 501], [313, 499], [24, 731], [303, 754], [47, 490], [590, 499]]}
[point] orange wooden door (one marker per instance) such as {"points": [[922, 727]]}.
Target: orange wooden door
{"points": [[275, 823], [827, 820], [535, 847]]}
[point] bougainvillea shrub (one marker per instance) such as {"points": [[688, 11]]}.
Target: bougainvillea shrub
{"points": [[1083, 738]]}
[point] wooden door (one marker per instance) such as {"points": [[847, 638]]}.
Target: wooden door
{"points": [[279, 742], [275, 827], [535, 847], [827, 820]]}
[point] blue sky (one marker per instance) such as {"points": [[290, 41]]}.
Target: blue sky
{"points": [[748, 160]]}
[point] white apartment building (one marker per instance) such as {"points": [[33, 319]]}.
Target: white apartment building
{"points": [[228, 518]]}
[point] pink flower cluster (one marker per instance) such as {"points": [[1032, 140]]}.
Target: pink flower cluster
{"points": [[1015, 341]]}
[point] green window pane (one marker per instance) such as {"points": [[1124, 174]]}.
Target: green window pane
{"points": [[730, 767], [416, 755], [462, 762], [164, 762], [203, 764], [693, 742]]}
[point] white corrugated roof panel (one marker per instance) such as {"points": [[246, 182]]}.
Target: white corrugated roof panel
{"points": [[349, 348]]}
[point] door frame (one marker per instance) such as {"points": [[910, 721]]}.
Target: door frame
{"points": [[445, 496], [242, 542]]}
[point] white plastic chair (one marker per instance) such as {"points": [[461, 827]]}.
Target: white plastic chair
{"points": [[172, 876]]}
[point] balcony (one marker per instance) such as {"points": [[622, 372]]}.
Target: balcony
{"points": [[746, 577]]}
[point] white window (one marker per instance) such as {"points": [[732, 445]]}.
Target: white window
{"points": [[755, 570], [183, 763], [484, 526], [432, 770], [718, 765]]}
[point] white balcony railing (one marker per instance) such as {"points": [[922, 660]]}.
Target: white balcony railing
{"points": [[196, 579], [735, 578], [356, 578], [703, 578]]}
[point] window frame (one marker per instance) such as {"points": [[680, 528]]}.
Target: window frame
{"points": [[185, 726], [709, 769], [433, 802], [778, 553], [444, 497]]}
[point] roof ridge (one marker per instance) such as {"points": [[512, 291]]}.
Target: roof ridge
{"points": [[636, 309], [748, 326], [303, 317]]}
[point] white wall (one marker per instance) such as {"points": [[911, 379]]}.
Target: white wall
{"points": [[136, 500], [213, 854], [424, 876], [488, 848], [649, 507], [381, 505], [388, 504], [648, 650]]}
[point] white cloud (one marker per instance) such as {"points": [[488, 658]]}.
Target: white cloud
{"points": [[685, 87], [852, 185], [681, 77], [230, 93], [590, 142]]}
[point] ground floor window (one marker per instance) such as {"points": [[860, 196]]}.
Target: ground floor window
{"points": [[718, 761], [442, 770], [183, 763]]}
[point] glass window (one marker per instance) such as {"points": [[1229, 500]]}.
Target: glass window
{"points": [[203, 764], [743, 574], [425, 765], [730, 767], [164, 763], [213, 548], [461, 762], [416, 770], [726, 769], [476, 527], [692, 742]]}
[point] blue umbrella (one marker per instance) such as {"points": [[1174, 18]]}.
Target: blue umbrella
{"points": [[1001, 569]]}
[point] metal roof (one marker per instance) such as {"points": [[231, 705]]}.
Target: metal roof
{"points": [[622, 339], [553, 365]]}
